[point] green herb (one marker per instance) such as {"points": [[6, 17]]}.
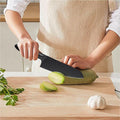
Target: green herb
{"points": [[9, 92], [1, 88], [2, 70], [3, 80], [11, 102], [7, 97]]}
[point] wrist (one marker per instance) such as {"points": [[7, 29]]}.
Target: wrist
{"points": [[23, 37], [91, 61]]}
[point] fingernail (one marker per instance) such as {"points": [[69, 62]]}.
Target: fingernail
{"points": [[65, 59], [69, 61]]}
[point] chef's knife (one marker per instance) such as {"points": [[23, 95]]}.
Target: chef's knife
{"points": [[117, 93], [54, 65]]}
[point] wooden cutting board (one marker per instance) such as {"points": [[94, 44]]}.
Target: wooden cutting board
{"points": [[69, 103]]}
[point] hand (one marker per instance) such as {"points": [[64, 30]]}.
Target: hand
{"points": [[29, 49], [78, 62]]}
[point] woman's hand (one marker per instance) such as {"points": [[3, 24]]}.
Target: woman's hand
{"points": [[78, 62], [29, 48]]}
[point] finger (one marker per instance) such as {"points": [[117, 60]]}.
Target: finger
{"points": [[36, 51], [62, 60], [75, 65], [31, 51], [66, 59], [26, 50], [79, 65], [71, 61], [21, 50]]}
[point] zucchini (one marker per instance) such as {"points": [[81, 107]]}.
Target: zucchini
{"points": [[58, 78], [46, 86]]}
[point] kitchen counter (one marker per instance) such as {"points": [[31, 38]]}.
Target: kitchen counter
{"points": [[44, 73], [31, 13], [69, 103]]}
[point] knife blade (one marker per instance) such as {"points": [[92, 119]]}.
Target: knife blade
{"points": [[51, 64]]}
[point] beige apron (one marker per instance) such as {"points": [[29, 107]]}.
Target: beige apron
{"points": [[73, 27]]}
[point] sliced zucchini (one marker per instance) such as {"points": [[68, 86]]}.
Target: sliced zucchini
{"points": [[46, 86]]}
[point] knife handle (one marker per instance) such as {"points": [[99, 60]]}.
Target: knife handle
{"points": [[16, 46], [41, 56]]}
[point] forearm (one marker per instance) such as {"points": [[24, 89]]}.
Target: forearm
{"points": [[110, 41], [28, 47], [15, 23]]}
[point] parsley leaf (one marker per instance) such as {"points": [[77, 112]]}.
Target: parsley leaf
{"points": [[3, 80], [15, 97], [7, 97], [11, 102], [8, 91], [1, 89], [2, 70], [20, 90]]}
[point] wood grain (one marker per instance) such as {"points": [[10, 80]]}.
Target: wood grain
{"points": [[69, 103]]}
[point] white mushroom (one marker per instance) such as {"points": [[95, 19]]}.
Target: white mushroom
{"points": [[96, 102]]}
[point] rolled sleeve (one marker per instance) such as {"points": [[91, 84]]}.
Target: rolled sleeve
{"points": [[17, 5], [115, 22]]}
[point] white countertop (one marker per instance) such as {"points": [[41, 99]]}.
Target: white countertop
{"points": [[41, 73]]}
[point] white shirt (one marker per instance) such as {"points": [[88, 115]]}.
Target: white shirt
{"points": [[20, 6]]}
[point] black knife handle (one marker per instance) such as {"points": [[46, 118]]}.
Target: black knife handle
{"points": [[41, 56], [16, 46], [117, 90]]}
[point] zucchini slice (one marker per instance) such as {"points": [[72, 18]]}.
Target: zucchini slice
{"points": [[46, 86]]}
